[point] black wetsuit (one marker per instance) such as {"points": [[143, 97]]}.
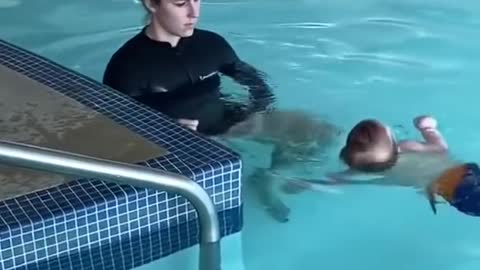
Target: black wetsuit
{"points": [[183, 81]]}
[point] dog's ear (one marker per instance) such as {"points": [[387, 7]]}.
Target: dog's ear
{"points": [[252, 126], [242, 129]]}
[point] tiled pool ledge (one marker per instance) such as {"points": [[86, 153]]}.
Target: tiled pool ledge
{"points": [[100, 225]]}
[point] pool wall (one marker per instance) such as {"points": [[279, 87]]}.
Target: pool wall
{"points": [[92, 224]]}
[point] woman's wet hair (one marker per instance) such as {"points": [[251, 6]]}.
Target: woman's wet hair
{"points": [[369, 147], [146, 19], [152, 1]]}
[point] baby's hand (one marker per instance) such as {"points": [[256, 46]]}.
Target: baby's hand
{"points": [[425, 122]]}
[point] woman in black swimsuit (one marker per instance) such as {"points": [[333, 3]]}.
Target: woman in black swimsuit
{"points": [[175, 68]]}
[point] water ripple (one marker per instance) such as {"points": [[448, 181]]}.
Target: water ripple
{"points": [[9, 3], [297, 45], [256, 41], [306, 25], [387, 59], [334, 46], [375, 79], [410, 26], [390, 21], [77, 40]]}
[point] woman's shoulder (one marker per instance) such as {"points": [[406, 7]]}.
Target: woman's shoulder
{"points": [[210, 36], [202, 32], [130, 46]]}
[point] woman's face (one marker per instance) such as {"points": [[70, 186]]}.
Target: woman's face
{"points": [[176, 17]]}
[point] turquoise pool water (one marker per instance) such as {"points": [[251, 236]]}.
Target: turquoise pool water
{"points": [[346, 60]]}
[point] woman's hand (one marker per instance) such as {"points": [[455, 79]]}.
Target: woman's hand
{"points": [[189, 123]]}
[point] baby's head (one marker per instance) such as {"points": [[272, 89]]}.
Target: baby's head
{"points": [[370, 147]]}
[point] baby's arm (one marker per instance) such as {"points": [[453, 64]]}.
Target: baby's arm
{"points": [[434, 141]]}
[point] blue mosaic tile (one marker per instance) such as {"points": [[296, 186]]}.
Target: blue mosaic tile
{"points": [[92, 224], [137, 247]]}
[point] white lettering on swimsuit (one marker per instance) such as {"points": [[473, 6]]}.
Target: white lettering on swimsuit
{"points": [[207, 76]]}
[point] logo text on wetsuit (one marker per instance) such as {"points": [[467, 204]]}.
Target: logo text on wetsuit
{"points": [[207, 76]]}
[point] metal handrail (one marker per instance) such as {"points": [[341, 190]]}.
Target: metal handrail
{"points": [[44, 159]]}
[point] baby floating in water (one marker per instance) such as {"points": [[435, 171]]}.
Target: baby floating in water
{"points": [[373, 155], [296, 137]]}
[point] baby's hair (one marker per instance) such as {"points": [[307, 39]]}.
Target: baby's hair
{"points": [[369, 148]]}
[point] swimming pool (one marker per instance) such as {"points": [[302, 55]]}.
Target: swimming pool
{"points": [[386, 59]]}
